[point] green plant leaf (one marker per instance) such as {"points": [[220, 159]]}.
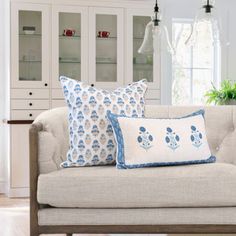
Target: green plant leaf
{"points": [[221, 96]]}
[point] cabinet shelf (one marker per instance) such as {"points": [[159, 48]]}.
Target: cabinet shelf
{"points": [[70, 37], [69, 62], [138, 38], [28, 79], [106, 63], [31, 35], [30, 61], [142, 64], [108, 38]]}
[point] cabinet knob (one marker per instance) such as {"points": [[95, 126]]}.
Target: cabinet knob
{"points": [[31, 104], [46, 85], [30, 115], [92, 85], [30, 93]]}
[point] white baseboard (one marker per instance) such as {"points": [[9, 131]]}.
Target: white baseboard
{"points": [[3, 187], [18, 192]]}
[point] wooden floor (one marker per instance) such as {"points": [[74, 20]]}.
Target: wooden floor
{"points": [[14, 218]]}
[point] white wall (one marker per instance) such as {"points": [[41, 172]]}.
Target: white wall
{"points": [[4, 80], [230, 68]]}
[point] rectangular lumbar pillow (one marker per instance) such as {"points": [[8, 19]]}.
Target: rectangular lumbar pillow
{"points": [[91, 136], [144, 142]]}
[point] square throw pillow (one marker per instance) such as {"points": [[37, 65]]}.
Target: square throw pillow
{"points": [[160, 142], [91, 136]]}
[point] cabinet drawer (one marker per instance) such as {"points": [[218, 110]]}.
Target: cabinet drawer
{"points": [[153, 102], [30, 104], [153, 94], [58, 103], [57, 94], [30, 93], [25, 114]]}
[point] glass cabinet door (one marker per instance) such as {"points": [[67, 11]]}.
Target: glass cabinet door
{"points": [[30, 46], [70, 45], [69, 38], [140, 66], [106, 52]]}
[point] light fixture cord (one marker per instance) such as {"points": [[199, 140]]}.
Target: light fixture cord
{"points": [[156, 10], [208, 7]]}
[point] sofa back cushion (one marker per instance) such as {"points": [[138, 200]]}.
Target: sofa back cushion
{"points": [[220, 130]]}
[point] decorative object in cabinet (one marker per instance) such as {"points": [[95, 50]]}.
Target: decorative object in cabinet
{"points": [[69, 32], [29, 29]]}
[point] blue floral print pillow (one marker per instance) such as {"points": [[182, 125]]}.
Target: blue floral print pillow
{"points": [[91, 136], [160, 142]]}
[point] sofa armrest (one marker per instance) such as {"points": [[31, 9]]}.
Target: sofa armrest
{"points": [[34, 172], [53, 140], [48, 142]]}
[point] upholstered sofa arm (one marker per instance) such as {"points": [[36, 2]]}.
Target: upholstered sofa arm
{"points": [[51, 129]]}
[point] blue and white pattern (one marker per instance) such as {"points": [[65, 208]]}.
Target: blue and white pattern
{"points": [[145, 139], [172, 139], [91, 136], [196, 137], [160, 142]]}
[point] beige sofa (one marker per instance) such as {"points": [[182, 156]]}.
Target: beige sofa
{"points": [[103, 199]]}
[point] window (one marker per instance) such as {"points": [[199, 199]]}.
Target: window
{"points": [[195, 67]]}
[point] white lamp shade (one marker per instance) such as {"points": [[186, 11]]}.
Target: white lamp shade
{"points": [[147, 45], [156, 39], [211, 22]]}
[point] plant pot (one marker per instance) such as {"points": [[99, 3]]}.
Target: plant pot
{"points": [[231, 102]]}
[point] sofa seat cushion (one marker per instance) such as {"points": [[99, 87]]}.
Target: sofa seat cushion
{"points": [[211, 185]]}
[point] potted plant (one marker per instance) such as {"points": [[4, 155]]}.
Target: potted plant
{"points": [[226, 95]]}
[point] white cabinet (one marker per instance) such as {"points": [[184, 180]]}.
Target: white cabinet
{"points": [[30, 84], [30, 59], [91, 41]]}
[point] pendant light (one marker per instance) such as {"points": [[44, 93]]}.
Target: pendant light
{"points": [[207, 15], [156, 36]]}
